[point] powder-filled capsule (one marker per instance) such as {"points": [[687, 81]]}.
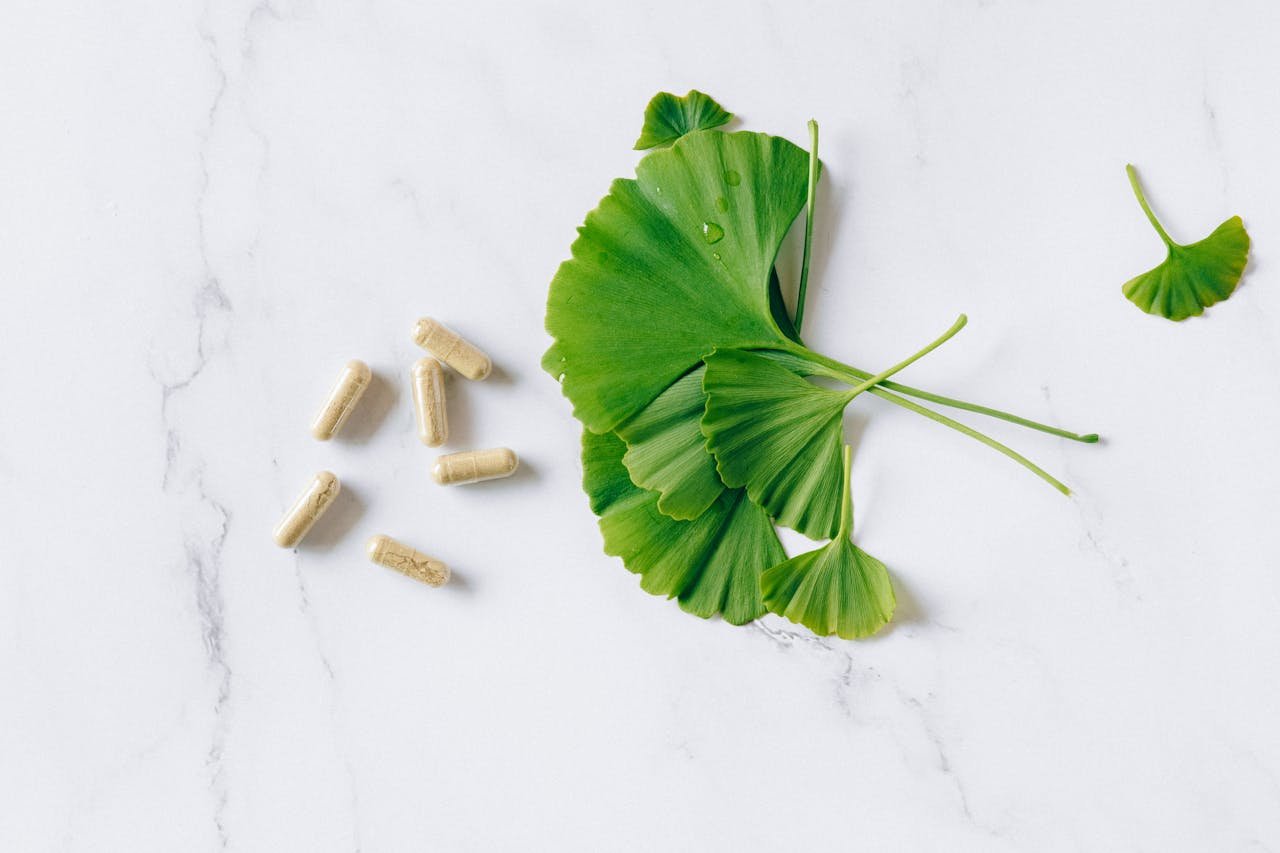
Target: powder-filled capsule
{"points": [[472, 466], [446, 345], [386, 551], [306, 510], [428, 402], [351, 384]]}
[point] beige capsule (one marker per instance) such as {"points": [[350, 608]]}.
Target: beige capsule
{"points": [[350, 387], [446, 345], [428, 402], [386, 551], [472, 466], [306, 510]]}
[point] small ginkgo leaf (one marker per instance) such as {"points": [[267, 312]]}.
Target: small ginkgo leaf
{"points": [[710, 565], [779, 436], [668, 117], [837, 589], [1193, 276], [667, 452]]}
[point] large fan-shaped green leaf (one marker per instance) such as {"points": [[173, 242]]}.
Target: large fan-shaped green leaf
{"points": [[667, 452], [779, 436], [670, 266], [668, 117], [837, 589], [1194, 276], [711, 565]]}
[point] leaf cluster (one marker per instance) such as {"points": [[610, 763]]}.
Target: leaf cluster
{"points": [[703, 428]]}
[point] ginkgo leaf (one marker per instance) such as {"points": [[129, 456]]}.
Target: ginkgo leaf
{"points": [[710, 565], [837, 589], [779, 436], [670, 266], [667, 453], [668, 117], [1193, 276]]}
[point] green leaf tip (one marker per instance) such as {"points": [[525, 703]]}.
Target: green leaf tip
{"points": [[668, 117], [1193, 276], [838, 588]]}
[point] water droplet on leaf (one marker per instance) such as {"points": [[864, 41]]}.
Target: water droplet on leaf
{"points": [[712, 232], [732, 178]]}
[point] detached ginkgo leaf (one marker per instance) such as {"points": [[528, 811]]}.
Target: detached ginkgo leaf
{"points": [[670, 266], [668, 117], [779, 436], [710, 565], [1194, 276], [837, 589], [667, 452]]}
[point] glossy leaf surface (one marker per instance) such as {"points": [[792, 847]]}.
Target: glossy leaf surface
{"points": [[670, 266]]}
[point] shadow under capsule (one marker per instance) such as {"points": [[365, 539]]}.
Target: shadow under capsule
{"points": [[458, 409], [459, 583]]}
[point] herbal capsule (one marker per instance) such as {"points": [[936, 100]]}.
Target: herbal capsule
{"points": [[342, 399], [474, 465], [304, 512], [386, 551], [446, 345], [428, 401]]}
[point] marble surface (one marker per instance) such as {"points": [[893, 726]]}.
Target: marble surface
{"points": [[205, 210]]}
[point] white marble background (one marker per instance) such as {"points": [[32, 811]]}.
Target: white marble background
{"points": [[206, 209]]}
